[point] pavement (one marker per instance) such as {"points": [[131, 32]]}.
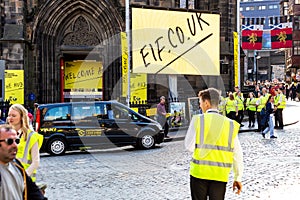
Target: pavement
{"points": [[291, 111], [271, 169]]}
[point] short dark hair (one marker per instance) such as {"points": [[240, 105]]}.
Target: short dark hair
{"points": [[7, 127], [210, 94]]}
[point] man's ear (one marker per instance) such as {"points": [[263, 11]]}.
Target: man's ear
{"points": [[206, 103]]}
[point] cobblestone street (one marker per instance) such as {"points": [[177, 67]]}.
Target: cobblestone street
{"points": [[271, 170]]}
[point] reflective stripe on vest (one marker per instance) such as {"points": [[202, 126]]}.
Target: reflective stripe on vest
{"points": [[26, 150], [251, 104], [213, 161], [26, 162], [240, 103], [230, 106], [283, 101], [261, 104]]}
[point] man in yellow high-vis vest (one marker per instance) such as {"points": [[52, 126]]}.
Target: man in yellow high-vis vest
{"points": [[216, 149], [280, 103]]}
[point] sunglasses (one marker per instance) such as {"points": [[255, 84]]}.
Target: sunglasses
{"points": [[10, 141]]}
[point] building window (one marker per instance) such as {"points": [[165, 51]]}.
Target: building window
{"points": [[296, 47], [250, 8], [272, 7], [261, 7], [296, 22]]}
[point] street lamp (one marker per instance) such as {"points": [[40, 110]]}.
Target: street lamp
{"points": [[256, 57]]}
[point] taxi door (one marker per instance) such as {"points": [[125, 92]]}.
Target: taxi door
{"points": [[118, 127], [85, 118]]}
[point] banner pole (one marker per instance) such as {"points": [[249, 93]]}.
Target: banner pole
{"points": [[238, 41], [127, 18]]}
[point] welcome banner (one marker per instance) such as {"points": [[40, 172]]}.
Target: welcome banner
{"points": [[175, 42], [83, 74]]}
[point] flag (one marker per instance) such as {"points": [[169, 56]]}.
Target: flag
{"points": [[252, 39], [281, 38]]}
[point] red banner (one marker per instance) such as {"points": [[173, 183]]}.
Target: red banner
{"points": [[281, 38], [252, 39]]}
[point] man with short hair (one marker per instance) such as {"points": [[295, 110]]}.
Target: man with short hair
{"points": [[15, 184], [162, 115], [216, 149]]}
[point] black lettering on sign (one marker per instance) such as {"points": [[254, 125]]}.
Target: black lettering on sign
{"points": [[176, 38]]}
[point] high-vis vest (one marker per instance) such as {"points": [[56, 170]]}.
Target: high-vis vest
{"points": [[265, 98], [221, 106], [261, 104], [240, 102], [251, 104], [283, 101], [213, 154], [24, 149], [230, 105]]}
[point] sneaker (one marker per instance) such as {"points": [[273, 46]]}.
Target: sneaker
{"points": [[263, 135], [273, 136], [252, 125]]}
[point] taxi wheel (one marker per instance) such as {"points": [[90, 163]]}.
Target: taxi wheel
{"points": [[146, 141], [57, 146]]}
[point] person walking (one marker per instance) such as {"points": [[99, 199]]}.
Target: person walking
{"points": [[293, 91], [270, 110], [251, 107], [213, 140], [30, 142], [162, 117], [14, 182]]}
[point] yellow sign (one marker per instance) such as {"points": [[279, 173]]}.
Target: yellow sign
{"points": [[236, 64], [124, 64], [83, 74], [14, 86], [175, 42], [138, 87]]}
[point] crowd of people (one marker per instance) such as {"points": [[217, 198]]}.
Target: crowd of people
{"points": [[264, 105]]}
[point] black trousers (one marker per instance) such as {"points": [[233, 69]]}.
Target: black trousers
{"points": [[201, 189], [240, 116], [278, 118], [231, 115], [251, 115], [163, 121], [258, 117]]}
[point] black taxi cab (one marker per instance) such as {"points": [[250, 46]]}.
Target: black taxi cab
{"points": [[75, 125]]}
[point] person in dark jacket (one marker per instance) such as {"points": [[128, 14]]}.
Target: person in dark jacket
{"points": [[14, 182]]}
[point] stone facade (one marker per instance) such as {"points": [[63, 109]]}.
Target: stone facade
{"points": [[40, 36]]}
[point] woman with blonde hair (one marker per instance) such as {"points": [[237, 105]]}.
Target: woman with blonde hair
{"points": [[31, 141]]}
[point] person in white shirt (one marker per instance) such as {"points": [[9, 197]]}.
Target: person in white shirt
{"points": [[213, 139]]}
